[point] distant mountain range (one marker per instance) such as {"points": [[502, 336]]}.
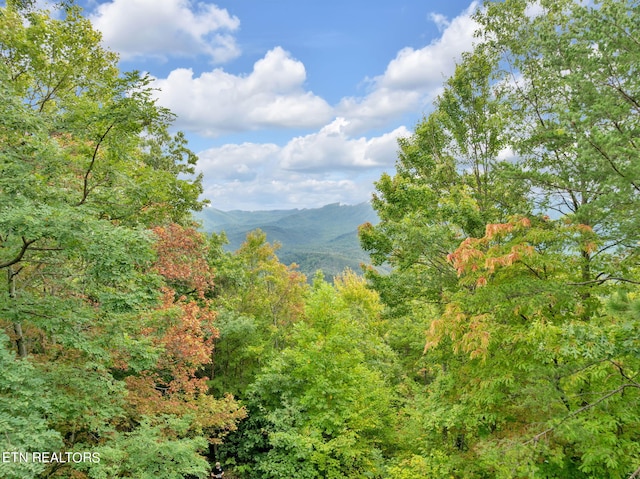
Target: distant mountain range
{"points": [[319, 238]]}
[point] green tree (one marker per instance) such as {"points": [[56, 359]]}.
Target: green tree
{"points": [[72, 164], [573, 94], [24, 405], [149, 451], [323, 400], [527, 373], [260, 299], [87, 166], [449, 183]]}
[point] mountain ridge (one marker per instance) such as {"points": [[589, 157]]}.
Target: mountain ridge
{"points": [[323, 238]]}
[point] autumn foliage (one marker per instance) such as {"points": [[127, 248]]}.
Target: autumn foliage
{"points": [[488, 253], [182, 259], [183, 328]]}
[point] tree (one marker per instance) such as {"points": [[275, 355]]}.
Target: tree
{"points": [[87, 167], [449, 183], [527, 373], [23, 411], [323, 401], [574, 101], [71, 160], [183, 329], [260, 299]]}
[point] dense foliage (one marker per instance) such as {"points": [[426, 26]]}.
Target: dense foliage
{"points": [[502, 343], [511, 226], [111, 332]]}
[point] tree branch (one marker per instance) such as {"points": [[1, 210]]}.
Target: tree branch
{"points": [[52, 91], [623, 373], [612, 164], [85, 188], [603, 280], [540, 435], [21, 253], [536, 274]]}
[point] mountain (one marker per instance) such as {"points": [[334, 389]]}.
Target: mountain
{"points": [[318, 238]]}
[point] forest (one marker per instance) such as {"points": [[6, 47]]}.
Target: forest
{"points": [[324, 238], [501, 341]]}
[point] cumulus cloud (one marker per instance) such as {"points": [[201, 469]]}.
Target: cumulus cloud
{"points": [[217, 102], [341, 159], [233, 162], [440, 20], [273, 96], [378, 108], [426, 68], [287, 191], [167, 28], [308, 171], [414, 77], [332, 147]]}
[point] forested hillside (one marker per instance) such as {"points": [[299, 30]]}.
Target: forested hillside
{"points": [[503, 343], [315, 239]]}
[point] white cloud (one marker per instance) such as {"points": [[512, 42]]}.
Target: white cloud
{"points": [[414, 77], [325, 167], [248, 177], [167, 28], [426, 68], [340, 160], [233, 162], [287, 191], [273, 96], [440, 20], [379, 107], [332, 147], [309, 171], [217, 102]]}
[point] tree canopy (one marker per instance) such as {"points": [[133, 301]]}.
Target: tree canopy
{"points": [[510, 226], [500, 340], [91, 177]]}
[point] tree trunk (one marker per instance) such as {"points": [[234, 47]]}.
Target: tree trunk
{"points": [[17, 327]]}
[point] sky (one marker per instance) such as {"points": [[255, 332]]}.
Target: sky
{"points": [[290, 103]]}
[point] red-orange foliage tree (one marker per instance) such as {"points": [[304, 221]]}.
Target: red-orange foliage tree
{"points": [[183, 328], [182, 260]]}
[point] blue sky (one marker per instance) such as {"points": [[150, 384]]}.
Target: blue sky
{"points": [[290, 103]]}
